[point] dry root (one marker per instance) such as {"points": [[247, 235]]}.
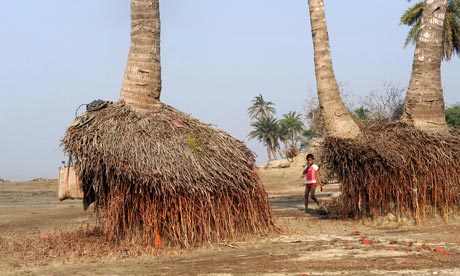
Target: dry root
{"points": [[399, 169]]}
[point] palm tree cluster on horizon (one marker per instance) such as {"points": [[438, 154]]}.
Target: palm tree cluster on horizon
{"points": [[270, 131]]}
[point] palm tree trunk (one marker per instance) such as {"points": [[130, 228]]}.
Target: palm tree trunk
{"points": [[337, 119], [142, 80], [269, 153], [273, 151], [280, 152], [424, 103]]}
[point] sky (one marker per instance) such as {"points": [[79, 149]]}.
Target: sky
{"points": [[216, 57]]}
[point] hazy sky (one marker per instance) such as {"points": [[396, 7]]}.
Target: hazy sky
{"points": [[216, 57]]}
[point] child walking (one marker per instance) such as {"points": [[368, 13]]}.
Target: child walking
{"points": [[311, 172]]}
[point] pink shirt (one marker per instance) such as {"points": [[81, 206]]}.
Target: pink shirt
{"points": [[311, 175]]}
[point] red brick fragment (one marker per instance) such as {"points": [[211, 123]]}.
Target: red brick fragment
{"points": [[366, 241]]}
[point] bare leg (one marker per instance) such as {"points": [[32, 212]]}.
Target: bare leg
{"points": [[307, 192], [312, 195]]}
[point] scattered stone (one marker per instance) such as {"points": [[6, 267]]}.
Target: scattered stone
{"points": [[417, 244], [366, 242], [407, 243], [390, 217], [335, 195], [424, 248], [282, 163]]}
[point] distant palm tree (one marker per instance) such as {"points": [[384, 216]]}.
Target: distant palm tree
{"points": [[451, 35], [424, 102], [291, 126], [261, 108], [266, 130]]}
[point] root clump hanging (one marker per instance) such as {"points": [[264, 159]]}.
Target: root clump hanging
{"points": [[395, 168], [166, 179]]}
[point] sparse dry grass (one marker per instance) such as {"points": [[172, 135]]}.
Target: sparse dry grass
{"points": [[82, 244]]}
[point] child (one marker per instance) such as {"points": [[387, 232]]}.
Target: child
{"points": [[311, 172]]}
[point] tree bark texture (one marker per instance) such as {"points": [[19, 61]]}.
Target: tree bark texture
{"points": [[338, 121], [424, 103], [141, 86]]}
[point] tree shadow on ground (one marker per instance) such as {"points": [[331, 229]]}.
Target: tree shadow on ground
{"points": [[294, 205]]}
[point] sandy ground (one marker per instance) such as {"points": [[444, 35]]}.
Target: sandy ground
{"points": [[307, 245]]}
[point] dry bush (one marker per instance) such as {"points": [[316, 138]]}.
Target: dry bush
{"points": [[83, 244], [386, 105]]}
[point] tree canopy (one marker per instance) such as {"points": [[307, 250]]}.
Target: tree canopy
{"points": [[266, 130], [453, 116], [291, 126], [412, 17], [261, 108]]}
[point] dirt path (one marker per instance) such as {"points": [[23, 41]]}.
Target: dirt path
{"points": [[307, 245]]}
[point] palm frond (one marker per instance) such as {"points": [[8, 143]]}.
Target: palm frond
{"points": [[413, 33], [448, 38], [260, 108], [412, 14], [453, 19], [412, 17]]}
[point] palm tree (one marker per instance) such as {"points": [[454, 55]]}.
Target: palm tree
{"points": [[131, 154], [451, 35], [338, 121], [424, 102], [141, 86], [291, 126], [261, 108], [266, 130]]}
